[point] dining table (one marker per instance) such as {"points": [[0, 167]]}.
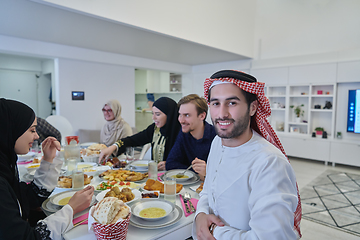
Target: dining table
{"points": [[180, 229]]}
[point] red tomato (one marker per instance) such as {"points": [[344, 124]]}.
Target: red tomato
{"points": [[128, 183], [122, 183], [108, 187]]}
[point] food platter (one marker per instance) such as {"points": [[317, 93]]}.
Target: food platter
{"points": [[192, 180], [188, 175], [123, 175], [120, 185], [136, 192], [171, 219]]}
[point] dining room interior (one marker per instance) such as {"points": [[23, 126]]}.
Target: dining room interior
{"points": [[306, 52]]}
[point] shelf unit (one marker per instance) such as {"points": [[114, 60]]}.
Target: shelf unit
{"points": [[283, 118], [175, 83]]}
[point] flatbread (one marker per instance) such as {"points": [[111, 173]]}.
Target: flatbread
{"points": [[106, 210]]}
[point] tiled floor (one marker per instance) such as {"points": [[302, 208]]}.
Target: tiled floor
{"points": [[306, 171]]}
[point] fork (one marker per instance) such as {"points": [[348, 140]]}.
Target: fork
{"points": [[187, 197]]}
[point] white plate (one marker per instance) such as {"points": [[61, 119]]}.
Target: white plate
{"points": [[182, 191], [87, 144], [172, 173], [25, 157], [86, 164], [142, 204], [193, 180], [140, 164], [171, 219], [101, 195]]}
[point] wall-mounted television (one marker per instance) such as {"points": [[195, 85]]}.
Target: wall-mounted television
{"points": [[353, 117]]}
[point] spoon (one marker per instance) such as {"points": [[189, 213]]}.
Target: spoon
{"points": [[187, 197], [181, 174]]}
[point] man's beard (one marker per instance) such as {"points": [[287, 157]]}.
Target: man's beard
{"points": [[240, 126]]}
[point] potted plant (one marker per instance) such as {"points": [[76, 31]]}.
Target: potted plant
{"points": [[319, 130], [298, 111]]}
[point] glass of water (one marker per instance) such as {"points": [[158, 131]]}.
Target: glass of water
{"points": [[170, 189], [153, 170], [129, 153], [78, 179]]}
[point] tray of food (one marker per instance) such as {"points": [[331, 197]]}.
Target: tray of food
{"points": [[123, 175]]}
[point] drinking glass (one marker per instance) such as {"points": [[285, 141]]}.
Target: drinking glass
{"points": [[129, 153], [152, 170], [71, 165], [35, 147], [170, 189], [78, 179]]}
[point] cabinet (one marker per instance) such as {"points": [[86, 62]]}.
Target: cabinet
{"points": [[311, 99], [175, 83], [345, 152], [150, 81]]}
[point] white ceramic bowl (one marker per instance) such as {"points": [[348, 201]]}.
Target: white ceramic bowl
{"points": [[58, 197], [142, 204], [32, 167], [172, 173], [92, 158], [140, 164]]}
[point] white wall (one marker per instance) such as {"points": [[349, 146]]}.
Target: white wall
{"points": [[100, 82], [225, 25], [293, 28], [18, 81]]}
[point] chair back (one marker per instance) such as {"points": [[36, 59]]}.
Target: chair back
{"points": [[61, 124]]}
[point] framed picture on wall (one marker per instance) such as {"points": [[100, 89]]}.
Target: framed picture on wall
{"points": [[76, 95]]}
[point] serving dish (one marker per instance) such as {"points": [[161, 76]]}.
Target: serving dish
{"points": [[142, 204], [102, 194]]}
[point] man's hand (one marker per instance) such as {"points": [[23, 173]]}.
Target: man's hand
{"points": [[203, 222], [81, 199], [105, 153], [49, 147], [162, 165], [199, 167]]}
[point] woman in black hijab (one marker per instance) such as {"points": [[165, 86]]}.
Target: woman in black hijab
{"points": [[161, 134], [17, 133]]}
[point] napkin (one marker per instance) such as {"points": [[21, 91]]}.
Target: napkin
{"points": [[24, 162], [159, 175], [82, 217], [194, 202]]}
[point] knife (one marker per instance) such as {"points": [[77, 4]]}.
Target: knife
{"points": [[186, 206]]}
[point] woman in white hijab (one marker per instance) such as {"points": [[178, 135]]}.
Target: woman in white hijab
{"points": [[115, 127]]}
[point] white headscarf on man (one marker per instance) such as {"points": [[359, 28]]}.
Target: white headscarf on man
{"points": [[115, 129]]}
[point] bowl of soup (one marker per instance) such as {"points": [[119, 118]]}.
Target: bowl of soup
{"points": [[32, 167], [152, 209], [61, 199]]}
